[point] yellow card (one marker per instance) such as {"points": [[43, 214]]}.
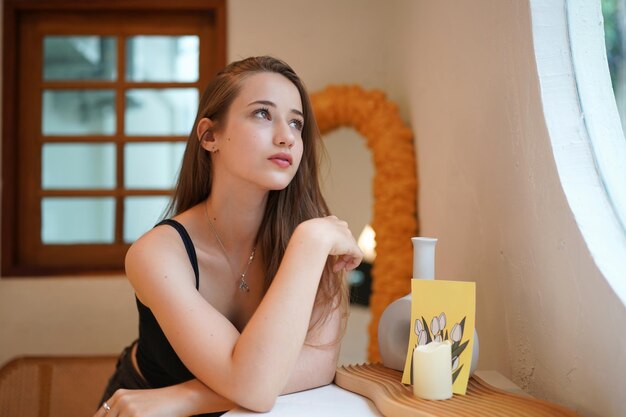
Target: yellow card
{"points": [[443, 310]]}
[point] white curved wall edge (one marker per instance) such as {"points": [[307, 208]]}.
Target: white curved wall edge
{"points": [[597, 99], [578, 104]]}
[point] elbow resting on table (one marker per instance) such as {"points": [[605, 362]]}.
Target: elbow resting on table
{"points": [[260, 400], [259, 403], [258, 390]]}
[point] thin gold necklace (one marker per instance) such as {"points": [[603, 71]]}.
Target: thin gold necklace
{"points": [[243, 284]]}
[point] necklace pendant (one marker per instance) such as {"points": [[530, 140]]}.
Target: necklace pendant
{"points": [[243, 286]]}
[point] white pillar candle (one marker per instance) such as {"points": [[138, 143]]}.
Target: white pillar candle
{"points": [[432, 371]]}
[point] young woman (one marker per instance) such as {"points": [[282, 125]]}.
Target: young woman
{"points": [[240, 295]]}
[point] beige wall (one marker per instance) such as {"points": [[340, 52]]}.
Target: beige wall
{"points": [[465, 78]]}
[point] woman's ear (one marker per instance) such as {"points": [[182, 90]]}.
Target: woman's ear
{"points": [[205, 131]]}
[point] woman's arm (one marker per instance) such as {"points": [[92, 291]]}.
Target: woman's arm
{"points": [[253, 367], [315, 367], [317, 362]]}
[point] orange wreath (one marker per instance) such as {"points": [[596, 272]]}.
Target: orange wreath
{"points": [[395, 187]]}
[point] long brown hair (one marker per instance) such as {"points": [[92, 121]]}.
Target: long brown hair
{"points": [[301, 200]]}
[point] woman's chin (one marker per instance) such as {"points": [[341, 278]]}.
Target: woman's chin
{"points": [[278, 187], [277, 184]]}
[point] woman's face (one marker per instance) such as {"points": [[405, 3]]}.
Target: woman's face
{"points": [[260, 140]]}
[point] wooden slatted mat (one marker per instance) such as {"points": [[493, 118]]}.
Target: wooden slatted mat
{"points": [[393, 399]]}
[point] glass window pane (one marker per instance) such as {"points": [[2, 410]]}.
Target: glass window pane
{"points": [[78, 112], [71, 220], [78, 165], [141, 214], [79, 58], [162, 112], [162, 58], [152, 165], [615, 41]]}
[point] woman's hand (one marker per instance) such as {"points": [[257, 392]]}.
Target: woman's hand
{"points": [[337, 235], [142, 403], [185, 399]]}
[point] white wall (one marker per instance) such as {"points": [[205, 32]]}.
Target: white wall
{"points": [[490, 193]]}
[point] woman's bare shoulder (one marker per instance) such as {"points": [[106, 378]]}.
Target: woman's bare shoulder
{"points": [[156, 241], [158, 254]]}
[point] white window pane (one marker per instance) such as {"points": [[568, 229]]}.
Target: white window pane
{"points": [[78, 166], [152, 165], [162, 58], [79, 58], [78, 112], [71, 220], [160, 112], [141, 214]]}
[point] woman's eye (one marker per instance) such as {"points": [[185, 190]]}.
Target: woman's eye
{"points": [[297, 124], [262, 114]]}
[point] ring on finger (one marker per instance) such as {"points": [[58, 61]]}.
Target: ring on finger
{"points": [[106, 407]]}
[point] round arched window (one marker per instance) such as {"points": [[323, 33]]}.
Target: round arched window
{"points": [[583, 121]]}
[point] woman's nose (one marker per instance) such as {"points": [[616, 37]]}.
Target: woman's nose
{"points": [[284, 136]]}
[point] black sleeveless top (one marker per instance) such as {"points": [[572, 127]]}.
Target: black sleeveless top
{"points": [[156, 358]]}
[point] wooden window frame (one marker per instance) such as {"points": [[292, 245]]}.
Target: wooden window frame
{"points": [[15, 224]]}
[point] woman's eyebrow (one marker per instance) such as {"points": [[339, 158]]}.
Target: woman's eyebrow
{"points": [[271, 104]]}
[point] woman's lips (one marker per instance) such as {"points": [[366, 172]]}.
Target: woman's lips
{"points": [[283, 160]]}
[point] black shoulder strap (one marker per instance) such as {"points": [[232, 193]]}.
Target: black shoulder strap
{"points": [[191, 251]]}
